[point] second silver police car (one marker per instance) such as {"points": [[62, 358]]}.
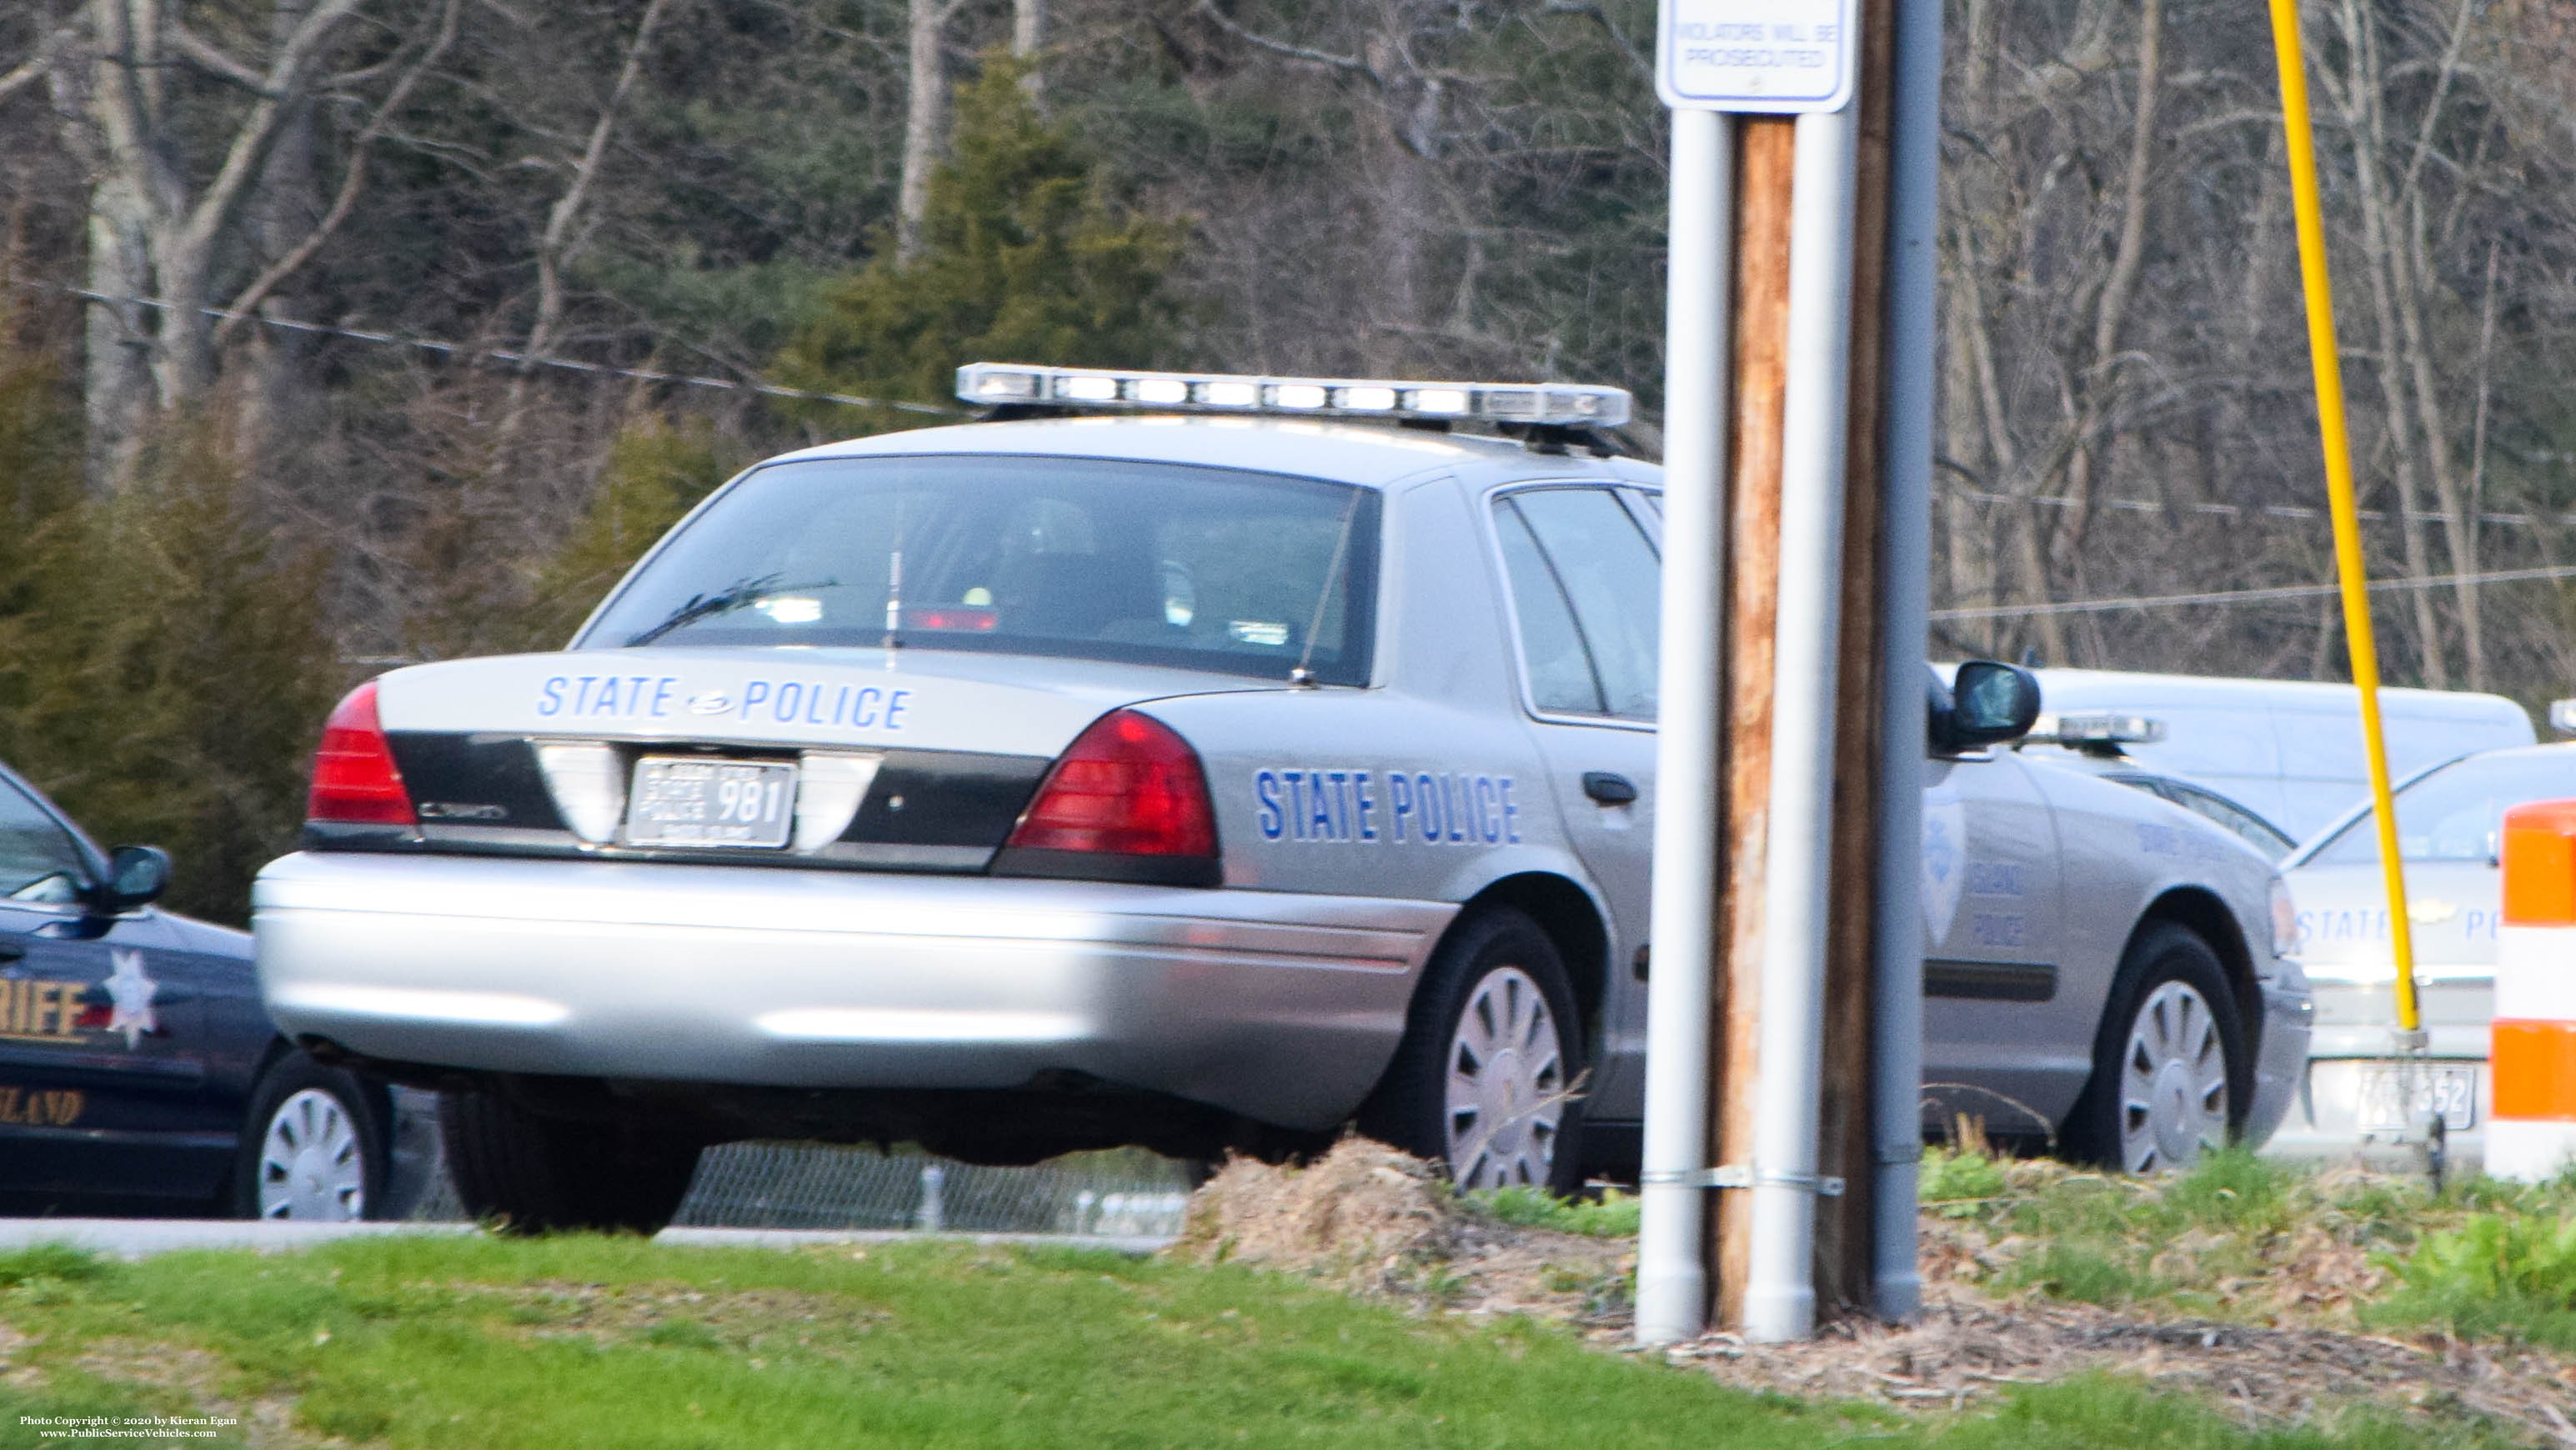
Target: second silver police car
{"points": [[1188, 773]]}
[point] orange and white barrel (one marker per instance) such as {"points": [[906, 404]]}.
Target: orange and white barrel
{"points": [[2532, 1055]]}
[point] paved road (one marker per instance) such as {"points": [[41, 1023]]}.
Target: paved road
{"points": [[136, 1238]]}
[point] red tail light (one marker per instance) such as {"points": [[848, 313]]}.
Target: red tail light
{"points": [[354, 778], [1127, 786]]}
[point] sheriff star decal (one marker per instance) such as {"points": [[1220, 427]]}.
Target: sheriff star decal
{"points": [[131, 991]]}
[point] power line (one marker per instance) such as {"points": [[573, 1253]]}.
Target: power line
{"points": [[494, 354], [772, 390], [2244, 596], [2269, 511]]}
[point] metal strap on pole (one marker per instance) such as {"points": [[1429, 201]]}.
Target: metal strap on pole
{"points": [[1741, 1175], [2327, 365]]}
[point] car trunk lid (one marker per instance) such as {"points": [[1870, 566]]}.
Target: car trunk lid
{"points": [[903, 760]]}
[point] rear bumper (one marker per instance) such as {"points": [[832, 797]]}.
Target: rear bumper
{"points": [[2354, 1039], [1284, 1008], [2326, 1123]]}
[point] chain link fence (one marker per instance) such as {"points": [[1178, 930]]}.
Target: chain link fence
{"points": [[1121, 1194]]}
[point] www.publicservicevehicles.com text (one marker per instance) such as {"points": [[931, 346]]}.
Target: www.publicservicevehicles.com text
{"points": [[127, 1427]]}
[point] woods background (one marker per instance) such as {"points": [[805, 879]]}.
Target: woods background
{"points": [[215, 522]]}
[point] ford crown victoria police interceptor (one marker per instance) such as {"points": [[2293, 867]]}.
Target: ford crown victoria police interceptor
{"points": [[1156, 765], [2360, 1095]]}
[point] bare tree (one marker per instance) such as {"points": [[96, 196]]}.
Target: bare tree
{"points": [[156, 231], [192, 153], [925, 124], [562, 236], [1028, 39]]}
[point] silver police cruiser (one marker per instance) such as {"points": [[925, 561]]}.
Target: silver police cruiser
{"points": [[1201, 762]]}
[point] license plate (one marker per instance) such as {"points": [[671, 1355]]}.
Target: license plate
{"points": [[2449, 1091], [686, 801]]}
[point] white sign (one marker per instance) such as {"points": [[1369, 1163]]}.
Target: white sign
{"points": [[1756, 55]]}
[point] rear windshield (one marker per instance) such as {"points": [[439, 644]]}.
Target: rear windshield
{"points": [[2457, 812], [1212, 569]]}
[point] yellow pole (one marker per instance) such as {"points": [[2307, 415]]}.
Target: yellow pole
{"points": [[2327, 361]]}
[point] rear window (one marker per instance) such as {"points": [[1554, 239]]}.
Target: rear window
{"points": [[2457, 812], [1212, 569]]}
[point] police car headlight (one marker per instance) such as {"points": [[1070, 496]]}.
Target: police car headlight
{"points": [[2285, 919]]}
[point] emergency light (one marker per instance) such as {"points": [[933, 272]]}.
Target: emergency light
{"points": [[2083, 730], [1549, 405]]}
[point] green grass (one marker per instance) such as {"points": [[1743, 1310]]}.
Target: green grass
{"points": [[1952, 1184], [1613, 1216], [2242, 1238], [481, 1344], [2496, 1274]]}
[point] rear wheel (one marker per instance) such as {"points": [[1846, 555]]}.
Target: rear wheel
{"points": [[2168, 1063], [1483, 1080], [532, 1175], [313, 1146]]}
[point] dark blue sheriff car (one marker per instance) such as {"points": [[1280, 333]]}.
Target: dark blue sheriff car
{"points": [[138, 1072]]}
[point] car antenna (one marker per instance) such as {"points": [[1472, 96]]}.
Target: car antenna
{"points": [[1304, 674], [894, 598]]}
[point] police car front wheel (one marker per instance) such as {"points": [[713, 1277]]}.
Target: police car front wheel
{"points": [[2169, 1063], [1485, 1078]]}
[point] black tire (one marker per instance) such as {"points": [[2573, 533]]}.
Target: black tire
{"points": [[526, 1174], [1410, 1108], [2112, 1118], [327, 1129]]}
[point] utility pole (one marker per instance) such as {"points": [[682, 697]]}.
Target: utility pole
{"points": [[1775, 754]]}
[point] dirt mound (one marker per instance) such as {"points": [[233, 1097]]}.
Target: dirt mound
{"points": [[1382, 1223], [1361, 1212]]}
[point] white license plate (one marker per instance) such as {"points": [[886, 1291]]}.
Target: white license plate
{"points": [[693, 801], [2449, 1091]]}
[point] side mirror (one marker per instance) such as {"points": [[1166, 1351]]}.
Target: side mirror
{"points": [[135, 875], [1988, 704]]}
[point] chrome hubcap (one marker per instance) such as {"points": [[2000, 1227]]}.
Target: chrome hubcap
{"points": [[2173, 1081], [1506, 1091], [310, 1165]]}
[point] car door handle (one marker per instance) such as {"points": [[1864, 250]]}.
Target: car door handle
{"points": [[11, 951], [1609, 787]]}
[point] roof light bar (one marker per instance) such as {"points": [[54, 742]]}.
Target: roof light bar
{"points": [[2098, 729], [1560, 405]]}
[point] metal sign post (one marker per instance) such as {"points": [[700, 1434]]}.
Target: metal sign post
{"points": [[1763, 57], [1904, 606], [1672, 1279]]}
